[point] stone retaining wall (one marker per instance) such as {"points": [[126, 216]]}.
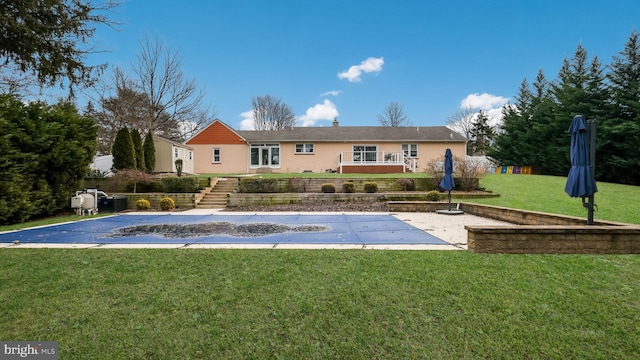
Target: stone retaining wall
{"points": [[240, 199], [182, 200], [537, 233], [529, 239]]}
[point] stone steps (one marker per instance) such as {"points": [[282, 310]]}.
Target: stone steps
{"points": [[218, 197]]}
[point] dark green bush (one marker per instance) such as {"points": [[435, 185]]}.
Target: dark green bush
{"points": [[45, 151], [370, 187], [184, 184], [328, 188], [348, 187], [258, 186], [433, 195]]}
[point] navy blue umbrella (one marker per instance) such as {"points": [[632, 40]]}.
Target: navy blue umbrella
{"points": [[447, 182], [581, 180]]}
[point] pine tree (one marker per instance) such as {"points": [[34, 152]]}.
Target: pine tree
{"points": [[149, 153], [579, 89], [123, 151], [519, 140], [139, 151], [481, 134], [619, 132]]}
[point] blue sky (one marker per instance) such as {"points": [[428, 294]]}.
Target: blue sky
{"points": [[350, 58]]}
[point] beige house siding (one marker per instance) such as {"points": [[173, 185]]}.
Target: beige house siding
{"points": [[233, 159], [326, 155], [166, 156], [328, 144]]}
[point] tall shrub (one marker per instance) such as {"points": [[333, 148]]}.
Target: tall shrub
{"points": [[138, 149], [45, 150], [123, 151], [149, 153]]}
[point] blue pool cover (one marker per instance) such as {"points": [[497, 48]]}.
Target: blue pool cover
{"points": [[345, 229]]}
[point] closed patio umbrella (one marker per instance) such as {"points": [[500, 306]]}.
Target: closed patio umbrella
{"points": [[447, 182], [581, 179]]}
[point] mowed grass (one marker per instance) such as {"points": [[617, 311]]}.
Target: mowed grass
{"points": [[615, 202], [280, 304]]}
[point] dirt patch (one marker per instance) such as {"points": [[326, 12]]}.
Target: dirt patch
{"points": [[213, 228]]}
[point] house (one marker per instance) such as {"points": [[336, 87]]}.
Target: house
{"points": [[103, 164], [350, 149], [167, 152]]}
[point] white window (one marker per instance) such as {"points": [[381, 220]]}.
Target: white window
{"points": [[265, 155], [190, 155], [367, 153], [410, 150], [216, 155], [175, 151], [304, 148]]}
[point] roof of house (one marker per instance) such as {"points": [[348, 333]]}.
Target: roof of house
{"points": [[355, 133], [174, 143]]}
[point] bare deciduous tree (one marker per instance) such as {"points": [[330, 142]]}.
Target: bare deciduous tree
{"points": [[394, 115], [462, 122], [174, 101], [158, 98], [119, 104], [270, 113]]}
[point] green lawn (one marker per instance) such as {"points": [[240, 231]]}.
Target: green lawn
{"points": [[211, 304], [546, 193], [206, 304]]}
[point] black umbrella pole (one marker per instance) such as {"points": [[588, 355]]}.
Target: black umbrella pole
{"points": [[591, 128], [590, 207]]}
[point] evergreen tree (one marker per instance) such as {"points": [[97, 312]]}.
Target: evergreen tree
{"points": [[519, 140], [481, 134], [51, 39], [509, 147], [150, 153], [45, 150], [139, 151], [619, 132], [123, 151]]}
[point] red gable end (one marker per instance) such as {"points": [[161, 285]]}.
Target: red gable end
{"points": [[216, 133]]}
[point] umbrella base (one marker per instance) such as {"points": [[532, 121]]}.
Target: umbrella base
{"points": [[450, 212]]}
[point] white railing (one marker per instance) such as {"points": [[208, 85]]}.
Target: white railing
{"points": [[371, 158], [362, 158]]}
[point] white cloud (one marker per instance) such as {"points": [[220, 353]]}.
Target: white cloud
{"points": [[332, 93], [483, 101], [495, 116], [247, 120], [370, 65], [325, 111]]}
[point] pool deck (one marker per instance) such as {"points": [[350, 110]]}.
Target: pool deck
{"points": [[345, 230]]}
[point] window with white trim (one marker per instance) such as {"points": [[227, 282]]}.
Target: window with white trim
{"points": [[265, 155], [216, 155], [410, 150], [190, 155], [304, 148], [365, 153], [175, 151]]}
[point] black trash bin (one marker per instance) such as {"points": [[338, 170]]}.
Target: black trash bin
{"points": [[111, 204]]}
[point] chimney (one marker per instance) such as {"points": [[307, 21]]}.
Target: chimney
{"points": [[335, 122]]}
